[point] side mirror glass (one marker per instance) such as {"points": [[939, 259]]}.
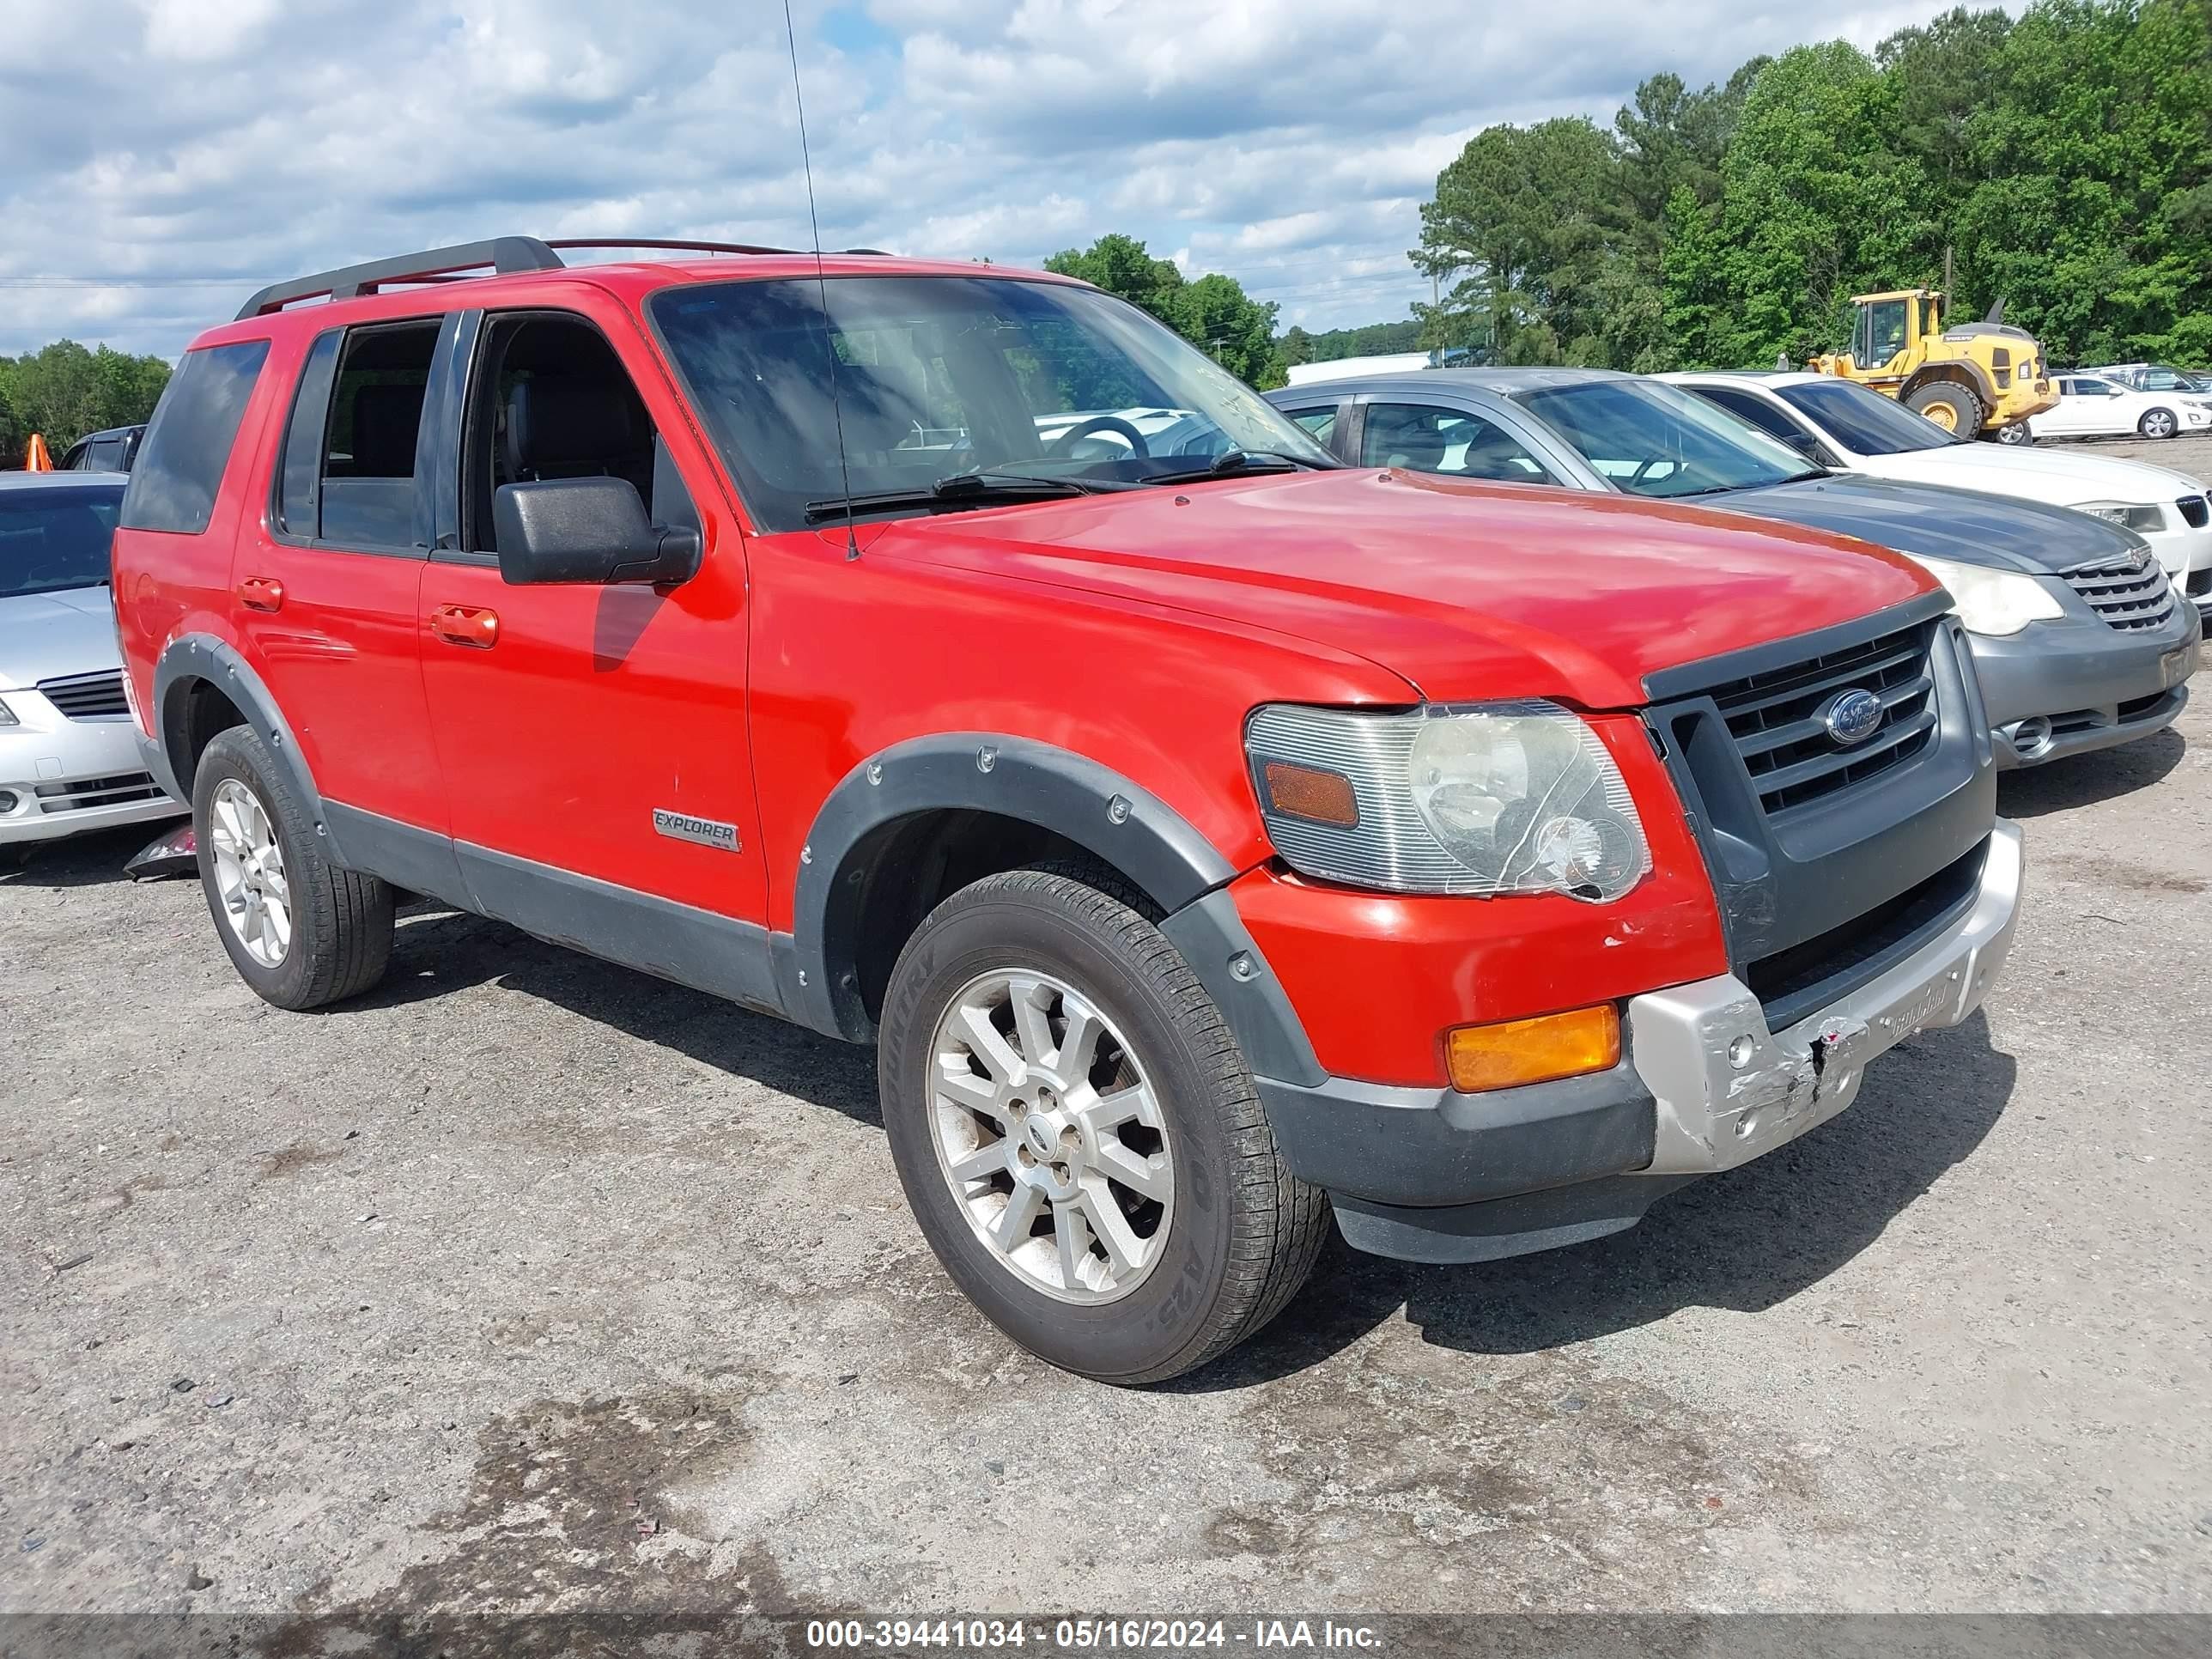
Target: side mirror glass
{"points": [[587, 530]]}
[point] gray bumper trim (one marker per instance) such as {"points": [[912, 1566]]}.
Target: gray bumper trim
{"points": [[1728, 1090]]}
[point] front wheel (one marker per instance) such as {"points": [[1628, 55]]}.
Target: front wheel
{"points": [[1079, 1137], [2016, 434], [2158, 423]]}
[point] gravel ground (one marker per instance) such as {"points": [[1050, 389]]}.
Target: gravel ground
{"points": [[533, 1282]]}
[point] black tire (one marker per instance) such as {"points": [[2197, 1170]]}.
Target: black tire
{"points": [[1965, 409], [2158, 423], [1244, 1232], [2014, 437], [341, 940]]}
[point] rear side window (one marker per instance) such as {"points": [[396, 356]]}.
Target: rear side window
{"points": [[361, 441], [180, 466]]}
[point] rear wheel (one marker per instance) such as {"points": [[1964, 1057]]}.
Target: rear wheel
{"points": [[300, 931], [2158, 423], [1080, 1136], [1951, 407]]}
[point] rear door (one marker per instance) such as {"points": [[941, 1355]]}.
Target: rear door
{"points": [[593, 738], [326, 582]]}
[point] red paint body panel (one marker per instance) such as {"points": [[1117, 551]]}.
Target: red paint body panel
{"points": [[1138, 628], [1469, 590], [1378, 978]]}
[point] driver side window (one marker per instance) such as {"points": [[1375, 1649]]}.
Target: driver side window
{"points": [[1453, 442], [1885, 333], [551, 399]]}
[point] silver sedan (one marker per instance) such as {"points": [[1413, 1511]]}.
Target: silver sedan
{"points": [[68, 762]]}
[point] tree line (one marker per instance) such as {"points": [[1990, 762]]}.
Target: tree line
{"points": [[2060, 162], [63, 390]]}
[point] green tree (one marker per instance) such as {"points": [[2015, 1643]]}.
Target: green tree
{"points": [[1525, 223], [1214, 312], [63, 392]]}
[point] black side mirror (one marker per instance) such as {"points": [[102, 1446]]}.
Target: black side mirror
{"points": [[587, 530]]}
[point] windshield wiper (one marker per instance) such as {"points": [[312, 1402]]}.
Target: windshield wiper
{"points": [[1237, 460], [978, 487]]}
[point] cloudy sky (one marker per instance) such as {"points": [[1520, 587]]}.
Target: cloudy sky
{"points": [[160, 159]]}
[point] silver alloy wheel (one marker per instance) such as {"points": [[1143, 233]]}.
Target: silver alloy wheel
{"points": [[249, 872], [1049, 1134], [2158, 424]]}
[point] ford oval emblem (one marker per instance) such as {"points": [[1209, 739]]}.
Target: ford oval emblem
{"points": [[1853, 717]]}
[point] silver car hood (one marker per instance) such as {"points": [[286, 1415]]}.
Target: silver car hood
{"points": [[43, 636]]}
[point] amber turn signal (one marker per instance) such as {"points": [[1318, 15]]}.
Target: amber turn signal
{"points": [[1306, 792], [1518, 1051]]}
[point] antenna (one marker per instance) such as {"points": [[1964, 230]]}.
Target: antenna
{"points": [[828, 339]]}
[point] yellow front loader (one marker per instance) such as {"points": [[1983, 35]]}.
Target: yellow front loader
{"points": [[1978, 380]]}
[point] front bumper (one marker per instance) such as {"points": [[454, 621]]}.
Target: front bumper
{"points": [[1704, 1085], [2064, 688], [63, 777]]}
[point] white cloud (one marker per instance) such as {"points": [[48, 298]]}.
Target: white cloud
{"points": [[197, 149]]}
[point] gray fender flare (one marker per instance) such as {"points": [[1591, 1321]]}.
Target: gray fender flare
{"points": [[192, 657], [1090, 804]]}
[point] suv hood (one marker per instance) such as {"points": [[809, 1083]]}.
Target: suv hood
{"points": [[1463, 589], [43, 636], [2058, 476], [1998, 532]]}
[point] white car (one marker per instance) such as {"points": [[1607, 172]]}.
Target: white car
{"points": [[68, 761], [1847, 427], [2091, 406]]}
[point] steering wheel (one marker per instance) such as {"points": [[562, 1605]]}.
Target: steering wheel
{"points": [[1061, 446]]}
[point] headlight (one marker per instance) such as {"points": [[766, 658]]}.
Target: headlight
{"points": [[2143, 519], [1485, 798], [1992, 601]]}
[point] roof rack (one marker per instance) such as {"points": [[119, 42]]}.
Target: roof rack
{"points": [[502, 256]]}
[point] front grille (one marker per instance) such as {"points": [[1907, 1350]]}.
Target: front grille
{"points": [[1778, 717], [87, 696], [2200, 583], [2196, 511], [1791, 983], [79, 793], [2128, 594]]}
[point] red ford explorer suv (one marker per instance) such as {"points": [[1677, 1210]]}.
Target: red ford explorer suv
{"points": [[1211, 837]]}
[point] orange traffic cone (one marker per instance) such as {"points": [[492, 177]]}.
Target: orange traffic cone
{"points": [[35, 459]]}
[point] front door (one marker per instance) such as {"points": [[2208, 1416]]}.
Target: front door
{"points": [[593, 738]]}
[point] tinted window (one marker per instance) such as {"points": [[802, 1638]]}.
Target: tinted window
{"points": [[549, 400], [368, 474], [1751, 407], [1426, 438], [188, 444], [1320, 421], [941, 375], [1866, 421], [1651, 439], [54, 538]]}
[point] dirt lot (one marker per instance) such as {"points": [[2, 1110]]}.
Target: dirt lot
{"points": [[531, 1281]]}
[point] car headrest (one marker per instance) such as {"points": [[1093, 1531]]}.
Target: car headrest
{"points": [[1415, 444], [553, 422], [385, 421]]}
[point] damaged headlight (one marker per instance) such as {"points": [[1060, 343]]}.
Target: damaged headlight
{"points": [[1487, 798], [1994, 602]]}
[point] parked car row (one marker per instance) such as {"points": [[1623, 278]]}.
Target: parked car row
{"points": [[1220, 822], [2080, 635], [2093, 405]]}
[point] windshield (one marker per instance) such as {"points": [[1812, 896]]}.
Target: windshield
{"points": [[52, 537], [1865, 420], [1650, 439], [942, 376]]}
